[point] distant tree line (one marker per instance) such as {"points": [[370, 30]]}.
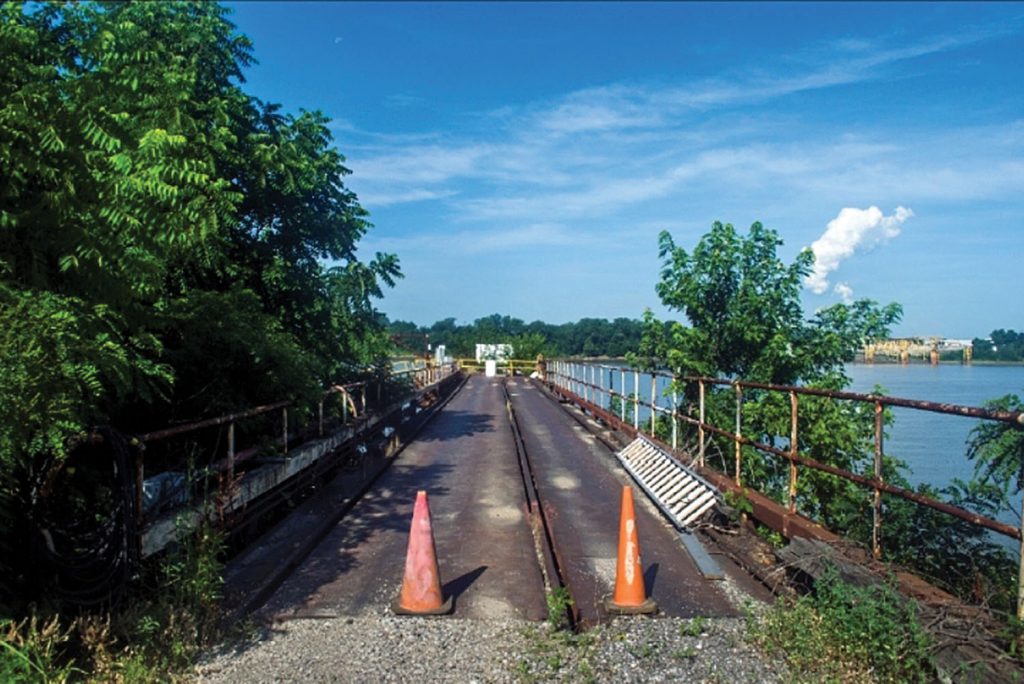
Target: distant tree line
{"points": [[1002, 345], [588, 337]]}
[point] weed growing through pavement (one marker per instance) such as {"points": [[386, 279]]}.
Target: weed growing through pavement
{"points": [[694, 627], [559, 604]]}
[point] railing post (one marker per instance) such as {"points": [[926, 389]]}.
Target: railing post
{"points": [[636, 400], [675, 418], [654, 403], [700, 425], [739, 426], [611, 386], [876, 523], [363, 388], [284, 429], [1020, 569], [140, 479], [344, 407], [320, 413], [622, 402], [231, 453], [792, 450]]}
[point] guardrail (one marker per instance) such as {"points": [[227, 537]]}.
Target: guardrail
{"points": [[587, 382], [357, 398]]}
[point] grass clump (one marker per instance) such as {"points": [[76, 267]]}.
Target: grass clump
{"points": [[559, 604], [847, 633], [31, 650], [154, 636]]}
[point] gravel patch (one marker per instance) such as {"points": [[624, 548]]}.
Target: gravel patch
{"points": [[393, 649]]}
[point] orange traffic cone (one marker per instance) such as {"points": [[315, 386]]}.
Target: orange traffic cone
{"points": [[630, 596], [421, 586]]}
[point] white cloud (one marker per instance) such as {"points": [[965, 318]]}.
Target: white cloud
{"points": [[475, 242], [421, 163], [372, 200], [845, 292], [850, 231]]}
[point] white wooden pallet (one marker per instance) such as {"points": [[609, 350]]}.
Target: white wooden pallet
{"points": [[682, 495]]}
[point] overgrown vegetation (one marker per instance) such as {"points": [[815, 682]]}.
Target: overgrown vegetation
{"points": [[746, 321], [171, 248], [843, 633], [155, 635]]}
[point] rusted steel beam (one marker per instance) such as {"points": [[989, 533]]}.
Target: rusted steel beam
{"points": [[1013, 417], [764, 509], [211, 422], [973, 518]]}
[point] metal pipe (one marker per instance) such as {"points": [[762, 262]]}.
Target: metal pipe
{"points": [[636, 399], [1013, 417], [675, 417], [284, 429], [792, 450], [654, 403], [610, 392], [593, 385], [211, 422], [876, 523], [1020, 572], [739, 425], [231, 452], [622, 404], [700, 427], [870, 483], [867, 482]]}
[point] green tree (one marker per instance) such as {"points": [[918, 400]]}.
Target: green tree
{"points": [[170, 246], [998, 451], [743, 305], [1002, 345], [747, 322]]}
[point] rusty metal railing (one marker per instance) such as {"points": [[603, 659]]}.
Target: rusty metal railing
{"points": [[354, 400], [587, 381]]}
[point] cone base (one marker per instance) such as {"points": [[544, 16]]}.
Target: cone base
{"points": [[444, 609], [645, 608]]}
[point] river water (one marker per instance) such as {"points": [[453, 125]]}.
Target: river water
{"points": [[934, 445]]}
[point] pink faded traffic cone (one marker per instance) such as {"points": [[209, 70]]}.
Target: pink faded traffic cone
{"points": [[421, 586]]}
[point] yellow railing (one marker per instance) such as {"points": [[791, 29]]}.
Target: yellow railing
{"points": [[504, 366]]}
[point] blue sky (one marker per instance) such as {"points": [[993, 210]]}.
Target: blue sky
{"points": [[521, 158]]}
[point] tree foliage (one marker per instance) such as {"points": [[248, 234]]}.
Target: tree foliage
{"points": [[746, 322], [170, 246], [1001, 345]]}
